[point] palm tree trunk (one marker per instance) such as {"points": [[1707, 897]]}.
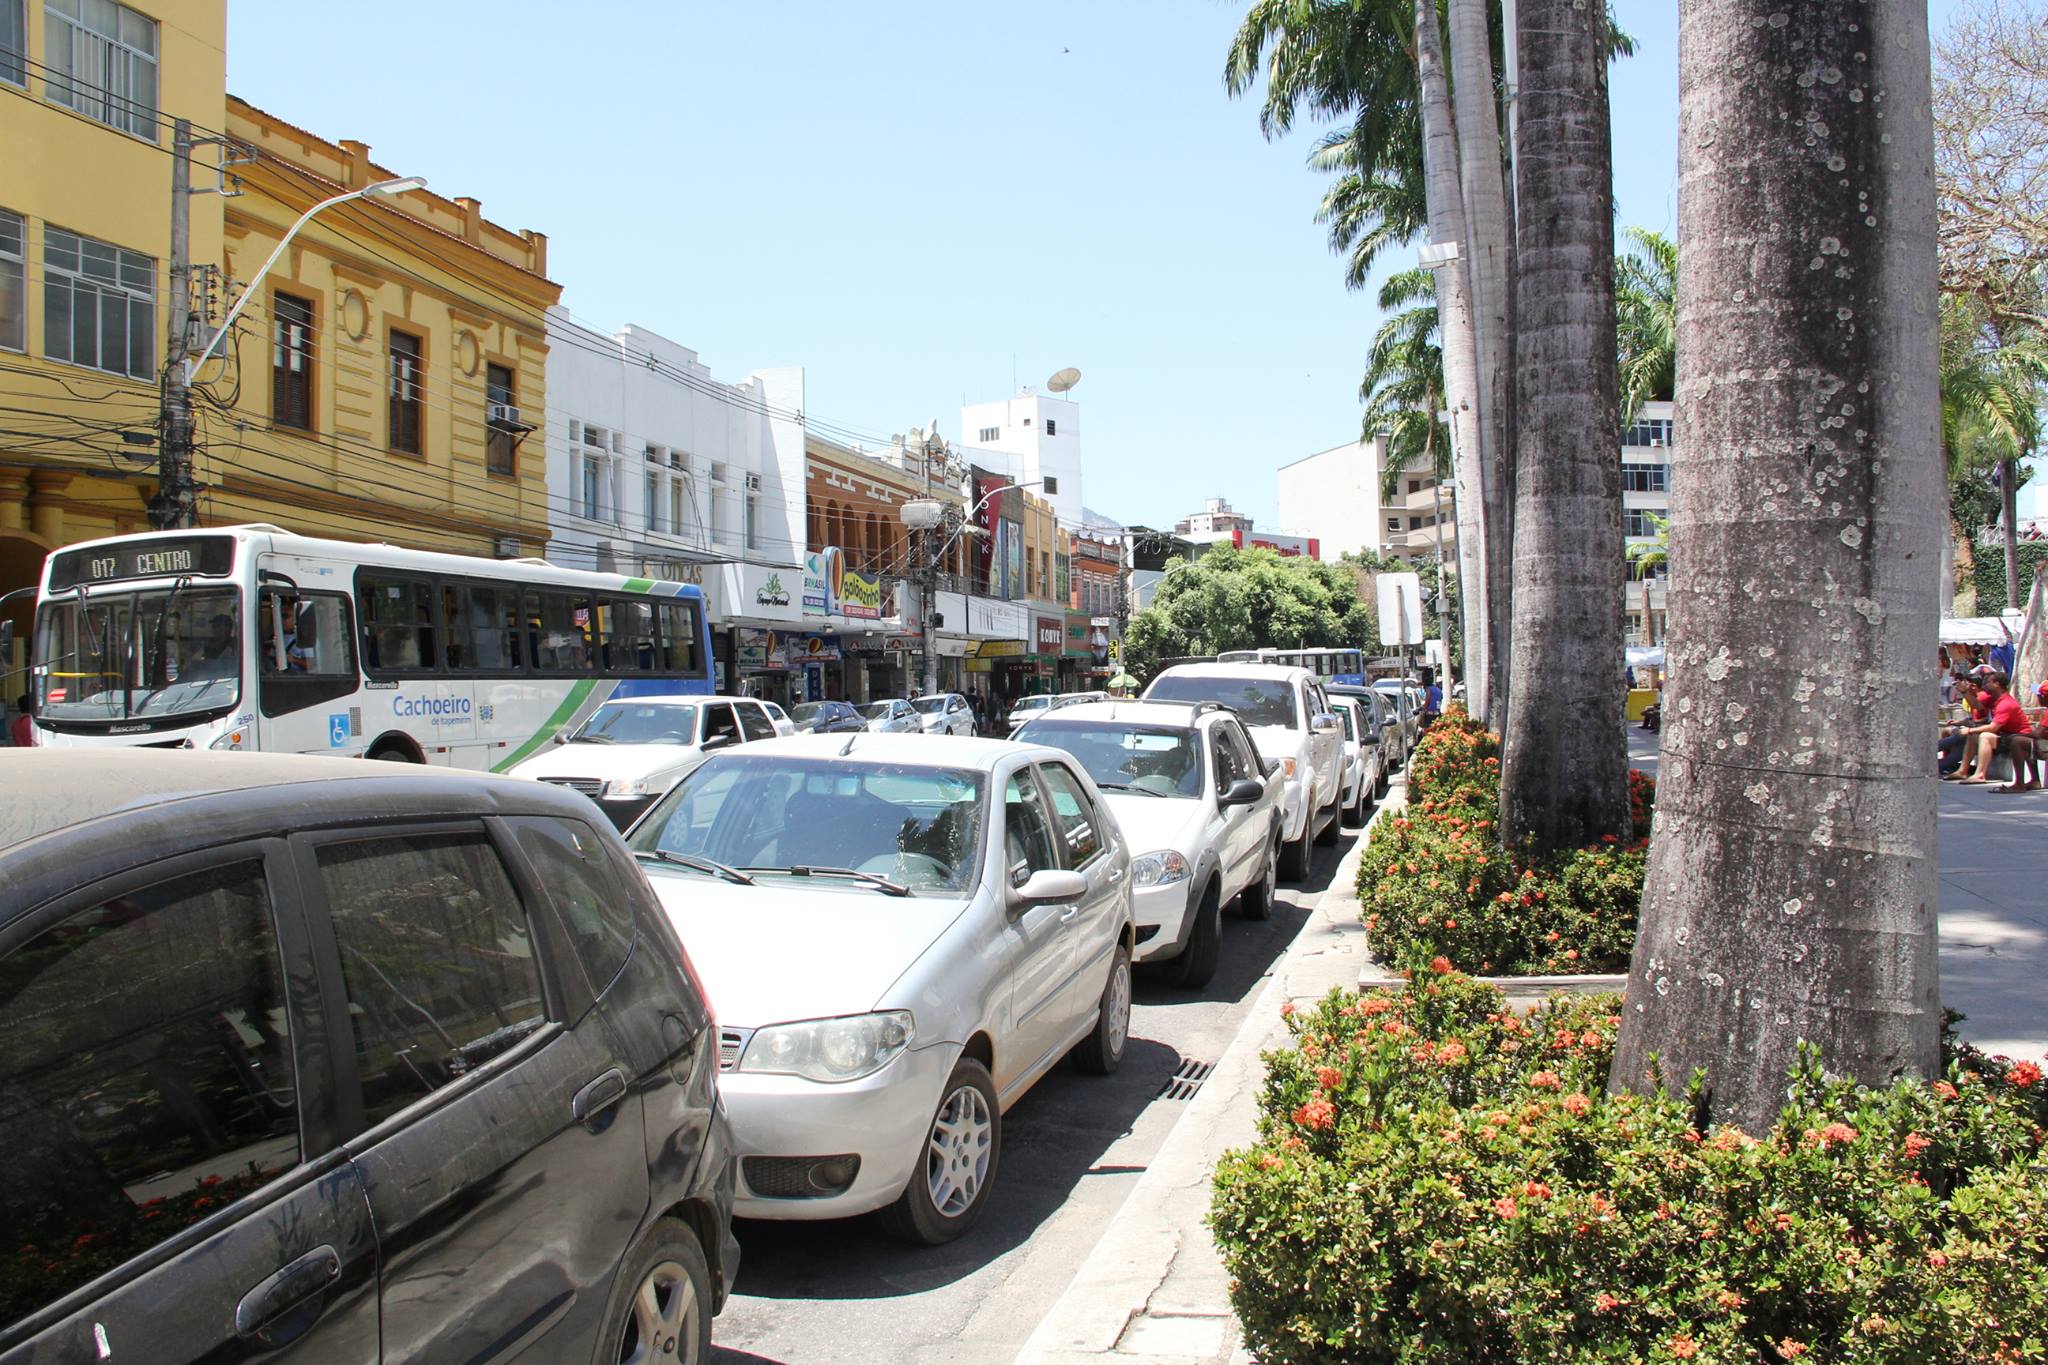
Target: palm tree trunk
{"points": [[1487, 250], [1791, 881], [2008, 525], [1564, 780], [1461, 356]]}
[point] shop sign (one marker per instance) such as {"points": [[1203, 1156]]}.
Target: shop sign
{"points": [[817, 586], [1052, 634], [989, 618], [1077, 636], [811, 649], [770, 592], [900, 644], [1000, 649], [761, 649], [859, 597]]}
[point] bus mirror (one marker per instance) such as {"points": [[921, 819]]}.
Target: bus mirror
{"points": [[6, 637]]}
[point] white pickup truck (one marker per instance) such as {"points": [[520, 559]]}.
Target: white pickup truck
{"points": [[1290, 720]]}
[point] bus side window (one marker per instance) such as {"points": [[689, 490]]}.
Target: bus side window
{"points": [[679, 648]]}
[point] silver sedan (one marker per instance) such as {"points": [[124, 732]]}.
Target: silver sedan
{"points": [[900, 938]]}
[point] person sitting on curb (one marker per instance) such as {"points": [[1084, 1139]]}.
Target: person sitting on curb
{"points": [[2008, 718], [1955, 739], [2027, 748]]}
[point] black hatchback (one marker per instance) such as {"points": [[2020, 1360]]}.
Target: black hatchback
{"points": [[315, 1060], [826, 718]]}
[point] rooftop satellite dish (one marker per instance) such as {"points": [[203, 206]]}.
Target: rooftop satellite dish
{"points": [[1064, 380]]}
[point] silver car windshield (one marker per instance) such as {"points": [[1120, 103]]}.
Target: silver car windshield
{"points": [[1257, 701], [929, 705], [625, 722], [878, 710], [1147, 758], [126, 655], [917, 826]]}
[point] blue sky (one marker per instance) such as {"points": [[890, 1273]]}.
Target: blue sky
{"points": [[916, 202]]}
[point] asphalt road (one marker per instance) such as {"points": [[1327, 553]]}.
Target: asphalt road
{"points": [[845, 1293]]}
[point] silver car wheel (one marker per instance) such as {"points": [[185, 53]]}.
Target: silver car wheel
{"points": [[958, 1151], [664, 1325], [1119, 1004]]}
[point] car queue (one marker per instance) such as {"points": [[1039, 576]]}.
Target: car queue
{"points": [[972, 913]]}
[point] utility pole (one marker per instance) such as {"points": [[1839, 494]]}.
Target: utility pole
{"points": [[174, 506]]}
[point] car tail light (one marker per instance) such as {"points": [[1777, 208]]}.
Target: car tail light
{"points": [[697, 984]]}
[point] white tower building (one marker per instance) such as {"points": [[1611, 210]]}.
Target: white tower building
{"points": [[1040, 436]]}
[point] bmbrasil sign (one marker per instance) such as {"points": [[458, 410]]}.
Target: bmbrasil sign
{"points": [[208, 556]]}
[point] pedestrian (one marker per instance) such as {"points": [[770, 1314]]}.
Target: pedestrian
{"points": [[2008, 718], [23, 730], [1955, 739]]}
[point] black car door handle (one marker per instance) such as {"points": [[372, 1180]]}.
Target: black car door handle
{"points": [[600, 1095], [287, 1289]]}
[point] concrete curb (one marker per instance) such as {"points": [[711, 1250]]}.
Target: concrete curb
{"points": [[1154, 1288]]}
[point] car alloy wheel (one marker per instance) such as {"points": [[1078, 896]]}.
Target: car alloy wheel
{"points": [[958, 1152], [1256, 901], [660, 1305], [665, 1309], [1102, 1051]]}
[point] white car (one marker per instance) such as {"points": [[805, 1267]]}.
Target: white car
{"points": [[1289, 717], [944, 713], [1364, 776], [890, 717], [1402, 696], [1029, 708], [783, 724], [1199, 809], [900, 938], [631, 750]]}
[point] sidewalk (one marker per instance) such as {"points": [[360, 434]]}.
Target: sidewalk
{"points": [[1153, 1290]]}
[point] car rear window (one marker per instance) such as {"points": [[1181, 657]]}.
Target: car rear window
{"points": [[1257, 701]]}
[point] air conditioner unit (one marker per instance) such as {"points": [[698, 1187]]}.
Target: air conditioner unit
{"points": [[1656, 441], [753, 483], [506, 547], [501, 414]]}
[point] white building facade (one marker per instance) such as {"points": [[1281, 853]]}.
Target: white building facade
{"points": [[657, 469], [1334, 496], [1038, 438], [1645, 498]]}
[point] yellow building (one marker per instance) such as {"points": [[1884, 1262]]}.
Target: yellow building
{"points": [[380, 382]]}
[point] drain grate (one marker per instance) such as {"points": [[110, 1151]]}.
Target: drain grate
{"points": [[1183, 1084]]}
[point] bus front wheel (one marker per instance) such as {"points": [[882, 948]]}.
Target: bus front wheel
{"points": [[392, 753]]}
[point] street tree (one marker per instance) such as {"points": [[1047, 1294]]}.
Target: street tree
{"points": [[1245, 599], [1991, 154], [1994, 371], [1403, 388], [1791, 884], [1646, 319], [1564, 774]]}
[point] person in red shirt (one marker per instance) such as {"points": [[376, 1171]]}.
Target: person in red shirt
{"points": [[2025, 746], [1958, 745], [2008, 719], [23, 732]]}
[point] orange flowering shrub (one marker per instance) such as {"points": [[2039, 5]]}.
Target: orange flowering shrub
{"points": [[1467, 1191]]}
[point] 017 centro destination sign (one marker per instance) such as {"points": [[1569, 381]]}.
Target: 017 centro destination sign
{"points": [[206, 556]]}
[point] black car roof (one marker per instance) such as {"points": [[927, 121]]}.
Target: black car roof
{"points": [[102, 803]]}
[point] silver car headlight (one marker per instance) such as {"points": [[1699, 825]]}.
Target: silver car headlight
{"points": [[1158, 869], [829, 1050]]}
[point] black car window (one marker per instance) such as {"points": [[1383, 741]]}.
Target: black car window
{"points": [[146, 1079], [1231, 763], [1074, 814], [584, 883], [755, 721], [435, 957], [1027, 836], [718, 721]]}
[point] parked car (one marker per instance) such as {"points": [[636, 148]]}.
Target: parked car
{"points": [[1289, 717], [783, 724], [827, 718], [894, 716], [1027, 708], [631, 751], [1386, 719], [1187, 788], [944, 713], [901, 939], [1076, 698], [1407, 706], [482, 1115], [1363, 775]]}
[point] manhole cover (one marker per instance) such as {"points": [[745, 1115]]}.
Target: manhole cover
{"points": [[1183, 1084]]}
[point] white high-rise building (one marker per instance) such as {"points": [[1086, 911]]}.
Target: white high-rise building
{"points": [[1039, 438]]}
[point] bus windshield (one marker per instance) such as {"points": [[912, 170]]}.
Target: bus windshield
{"points": [[147, 654]]}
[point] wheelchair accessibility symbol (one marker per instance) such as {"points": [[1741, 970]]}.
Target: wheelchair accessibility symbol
{"points": [[337, 731]]}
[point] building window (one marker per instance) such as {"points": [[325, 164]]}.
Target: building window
{"points": [[1649, 432], [991, 434], [753, 511], [1635, 521], [590, 485], [408, 381], [13, 277], [14, 41], [99, 305], [678, 504], [718, 496], [1051, 426], [101, 61], [1644, 478], [291, 361], [1051, 484], [501, 418], [1393, 523], [653, 502]]}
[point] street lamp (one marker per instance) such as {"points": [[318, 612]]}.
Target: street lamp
{"points": [[381, 190], [923, 517]]}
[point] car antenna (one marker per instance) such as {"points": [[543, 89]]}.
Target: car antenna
{"points": [[847, 748]]}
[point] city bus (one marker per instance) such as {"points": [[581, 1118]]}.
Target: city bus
{"points": [[254, 638], [1334, 665]]}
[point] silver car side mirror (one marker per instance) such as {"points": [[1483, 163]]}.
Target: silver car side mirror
{"points": [[1053, 884], [1324, 723]]}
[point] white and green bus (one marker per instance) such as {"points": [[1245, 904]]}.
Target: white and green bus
{"points": [[251, 637], [1330, 665]]}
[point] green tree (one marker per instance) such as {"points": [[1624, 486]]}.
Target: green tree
{"points": [[1245, 599], [1403, 388], [1994, 363], [1646, 319]]}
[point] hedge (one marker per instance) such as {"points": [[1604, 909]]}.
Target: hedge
{"points": [[1990, 573], [1441, 1179], [1433, 880]]}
